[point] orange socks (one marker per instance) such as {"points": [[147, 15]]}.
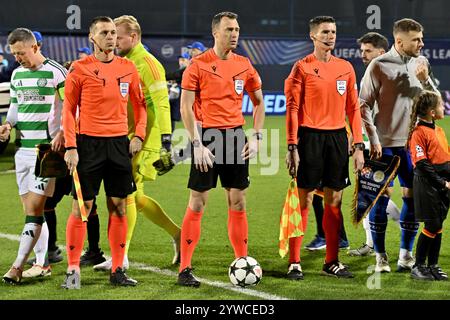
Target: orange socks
{"points": [[238, 232], [332, 221], [75, 234], [190, 235], [295, 244], [117, 236]]}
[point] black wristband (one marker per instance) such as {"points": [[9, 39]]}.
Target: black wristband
{"points": [[292, 147], [166, 141], [70, 148]]}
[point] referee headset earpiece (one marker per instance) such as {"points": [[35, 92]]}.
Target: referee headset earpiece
{"points": [[94, 42]]}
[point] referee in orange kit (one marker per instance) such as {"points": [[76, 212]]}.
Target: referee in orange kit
{"points": [[99, 86], [216, 80], [320, 91]]}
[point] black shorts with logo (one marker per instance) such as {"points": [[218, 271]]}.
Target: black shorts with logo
{"points": [[107, 159], [323, 159], [226, 145]]}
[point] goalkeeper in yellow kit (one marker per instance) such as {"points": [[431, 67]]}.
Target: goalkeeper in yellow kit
{"points": [[157, 144]]}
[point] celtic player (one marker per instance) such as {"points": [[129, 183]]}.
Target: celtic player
{"points": [[37, 87]]}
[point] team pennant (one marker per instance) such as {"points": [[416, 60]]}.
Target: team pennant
{"points": [[371, 182]]}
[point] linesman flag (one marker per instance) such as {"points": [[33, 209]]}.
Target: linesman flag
{"points": [[76, 182], [291, 219], [371, 182]]}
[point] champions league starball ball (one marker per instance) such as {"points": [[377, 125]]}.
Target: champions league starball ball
{"points": [[245, 271]]}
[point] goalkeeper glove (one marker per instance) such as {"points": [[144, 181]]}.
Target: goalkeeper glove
{"points": [[165, 163]]}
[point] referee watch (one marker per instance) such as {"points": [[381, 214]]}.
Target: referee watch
{"points": [[292, 147], [359, 146], [258, 135], [196, 143]]}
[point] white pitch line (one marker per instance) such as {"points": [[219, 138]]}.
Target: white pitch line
{"points": [[166, 272], [7, 172]]}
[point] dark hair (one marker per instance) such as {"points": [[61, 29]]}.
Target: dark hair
{"points": [[218, 17], [21, 34], [406, 25], [424, 102], [99, 19], [374, 38], [316, 21]]}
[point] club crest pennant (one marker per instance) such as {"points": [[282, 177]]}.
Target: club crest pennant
{"points": [[341, 86], [124, 86], [239, 86], [371, 182]]}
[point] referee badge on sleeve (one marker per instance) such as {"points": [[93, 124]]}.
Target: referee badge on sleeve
{"points": [[341, 86], [239, 86], [124, 87]]}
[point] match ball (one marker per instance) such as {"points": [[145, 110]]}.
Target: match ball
{"points": [[245, 271]]}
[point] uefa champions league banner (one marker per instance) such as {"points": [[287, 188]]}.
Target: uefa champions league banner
{"points": [[275, 103], [259, 51]]}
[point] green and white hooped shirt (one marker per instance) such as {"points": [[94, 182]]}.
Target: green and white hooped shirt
{"points": [[35, 110]]}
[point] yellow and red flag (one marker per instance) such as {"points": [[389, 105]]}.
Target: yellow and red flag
{"points": [[76, 182], [291, 219]]}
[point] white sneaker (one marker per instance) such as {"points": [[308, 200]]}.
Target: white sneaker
{"points": [[107, 265], [37, 271], [382, 264], [176, 248], [405, 264]]}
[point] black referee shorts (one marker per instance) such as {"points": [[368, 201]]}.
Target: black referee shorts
{"points": [[323, 159], [107, 159], [229, 166]]}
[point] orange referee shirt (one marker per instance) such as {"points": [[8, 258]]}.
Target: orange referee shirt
{"points": [[101, 90], [429, 143], [319, 95], [219, 86]]}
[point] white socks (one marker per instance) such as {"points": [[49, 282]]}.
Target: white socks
{"points": [[404, 254], [393, 211], [30, 235], [366, 226], [41, 247]]}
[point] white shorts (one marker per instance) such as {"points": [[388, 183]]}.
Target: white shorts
{"points": [[26, 180]]}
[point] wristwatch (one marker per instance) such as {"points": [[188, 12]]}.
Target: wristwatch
{"points": [[196, 143], [359, 146], [292, 147], [258, 135]]}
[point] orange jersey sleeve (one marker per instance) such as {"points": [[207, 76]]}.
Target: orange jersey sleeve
{"points": [[293, 90], [139, 106], [70, 105], [352, 108], [190, 80]]}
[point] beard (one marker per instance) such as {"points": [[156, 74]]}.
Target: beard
{"points": [[122, 52]]}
